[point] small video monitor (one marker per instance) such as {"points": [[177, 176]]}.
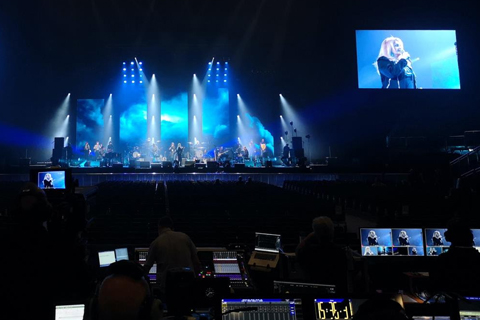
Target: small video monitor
{"points": [[54, 181], [376, 242], [392, 242], [105, 258], [333, 309], [476, 238], [435, 242], [121, 254]]}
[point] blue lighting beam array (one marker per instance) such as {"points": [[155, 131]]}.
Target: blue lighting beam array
{"points": [[217, 73], [132, 74]]}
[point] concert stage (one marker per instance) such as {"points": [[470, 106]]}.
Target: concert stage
{"points": [[274, 175]]}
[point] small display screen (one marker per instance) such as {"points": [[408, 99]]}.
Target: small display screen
{"points": [[435, 241], [51, 180], [333, 309], [105, 258], [392, 242]]}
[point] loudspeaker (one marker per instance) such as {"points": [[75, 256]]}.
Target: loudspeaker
{"points": [[167, 164], [239, 165], [212, 164], [299, 153], [132, 163], [59, 143], [144, 164], [268, 164], [296, 143], [200, 166], [117, 165], [188, 163]]}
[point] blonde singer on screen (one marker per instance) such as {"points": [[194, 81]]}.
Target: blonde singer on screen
{"points": [[394, 65]]}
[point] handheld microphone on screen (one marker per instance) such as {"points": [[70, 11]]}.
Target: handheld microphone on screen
{"points": [[409, 58]]}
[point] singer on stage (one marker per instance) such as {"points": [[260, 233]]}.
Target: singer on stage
{"points": [[394, 65]]}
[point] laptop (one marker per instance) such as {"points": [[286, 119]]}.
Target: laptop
{"points": [[105, 258], [69, 311], [266, 252]]}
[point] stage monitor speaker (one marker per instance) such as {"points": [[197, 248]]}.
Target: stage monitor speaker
{"points": [[59, 143], [268, 164], [249, 163], [200, 166], [188, 163], [212, 165], [296, 143], [299, 153], [144, 164], [117, 165], [239, 165], [132, 163], [167, 164]]}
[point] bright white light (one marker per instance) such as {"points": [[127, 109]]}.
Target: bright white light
{"points": [[68, 93], [281, 116], [238, 116], [68, 116], [238, 95], [110, 116], [110, 94], [194, 95]]}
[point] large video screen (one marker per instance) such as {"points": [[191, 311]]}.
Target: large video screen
{"points": [[407, 59]]}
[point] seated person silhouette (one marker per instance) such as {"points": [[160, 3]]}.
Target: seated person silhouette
{"points": [[317, 248], [458, 269]]}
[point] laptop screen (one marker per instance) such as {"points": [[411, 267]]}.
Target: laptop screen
{"points": [[252, 309], [267, 242], [435, 241], [121, 254], [105, 258], [70, 312]]}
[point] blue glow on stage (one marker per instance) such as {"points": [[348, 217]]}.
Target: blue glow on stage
{"points": [[90, 122], [175, 119], [133, 124], [216, 115]]}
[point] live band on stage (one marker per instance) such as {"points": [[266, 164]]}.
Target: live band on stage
{"points": [[251, 154]]}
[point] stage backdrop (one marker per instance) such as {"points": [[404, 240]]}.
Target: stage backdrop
{"points": [[90, 122]]}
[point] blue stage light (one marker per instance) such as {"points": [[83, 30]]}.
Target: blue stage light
{"points": [[133, 75], [209, 63], [218, 69], [210, 69], [131, 62], [225, 75], [226, 62], [225, 69], [224, 80], [208, 80], [132, 69], [124, 75], [217, 74], [217, 80], [141, 69], [133, 81], [124, 63], [125, 81], [140, 63], [218, 62], [141, 76], [209, 75], [124, 69], [141, 81]]}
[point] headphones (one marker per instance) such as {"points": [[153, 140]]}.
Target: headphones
{"points": [[150, 308]]}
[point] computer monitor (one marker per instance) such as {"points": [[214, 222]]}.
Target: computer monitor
{"points": [[69, 311], [105, 258], [476, 238], [435, 242], [121, 254], [140, 256]]}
